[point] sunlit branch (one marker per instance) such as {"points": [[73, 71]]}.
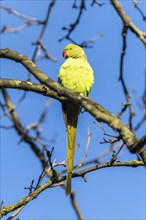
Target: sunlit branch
{"points": [[7, 209], [127, 21], [95, 109]]}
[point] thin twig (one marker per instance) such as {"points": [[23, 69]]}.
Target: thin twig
{"points": [[121, 77], [97, 159], [39, 44], [20, 129], [15, 213], [47, 54], [9, 29], [115, 154], [85, 154], [97, 3], [115, 138], [139, 124], [20, 15], [7, 209], [136, 5], [75, 206], [46, 21], [74, 25]]}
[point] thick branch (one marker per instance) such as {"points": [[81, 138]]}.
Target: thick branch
{"points": [[95, 109], [7, 209], [30, 86], [127, 21]]}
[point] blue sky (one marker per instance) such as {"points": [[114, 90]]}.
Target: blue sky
{"points": [[112, 193]]}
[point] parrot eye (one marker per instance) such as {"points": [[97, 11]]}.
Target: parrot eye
{"points": [[70, 48]]}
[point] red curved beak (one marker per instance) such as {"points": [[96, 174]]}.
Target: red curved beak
{"points": [[64, 54]]}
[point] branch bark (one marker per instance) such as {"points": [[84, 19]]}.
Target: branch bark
{"points": [[127, 21], [7, 209], [30, 86], [95, 109]]}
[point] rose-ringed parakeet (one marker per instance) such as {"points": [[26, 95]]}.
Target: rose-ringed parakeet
{"points": [[75, 74]]}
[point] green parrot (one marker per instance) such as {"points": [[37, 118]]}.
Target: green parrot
{"points": [[75, 74]]}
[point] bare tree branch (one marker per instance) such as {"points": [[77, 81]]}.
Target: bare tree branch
{"points": [[9, 29], [20, 15], [75, 206], [74, 25], [30, 86], [39, 44], [97, 2], [46, 91], [15, 213], [85, 154], [136, 5], [96, 110], [127, 21], [121, 77], [49, 88], [19, 128], [7, 209]]}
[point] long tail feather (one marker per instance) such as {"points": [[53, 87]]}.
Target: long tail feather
{"points": [[71, 136], [71, 112]]}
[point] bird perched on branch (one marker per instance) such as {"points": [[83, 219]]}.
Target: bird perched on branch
{"points": [[75, 74]]}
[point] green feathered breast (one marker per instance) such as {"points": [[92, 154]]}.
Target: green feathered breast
{"points": [[77, 75]]}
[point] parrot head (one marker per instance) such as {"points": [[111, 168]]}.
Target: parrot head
{"points": [[73, 51]]}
